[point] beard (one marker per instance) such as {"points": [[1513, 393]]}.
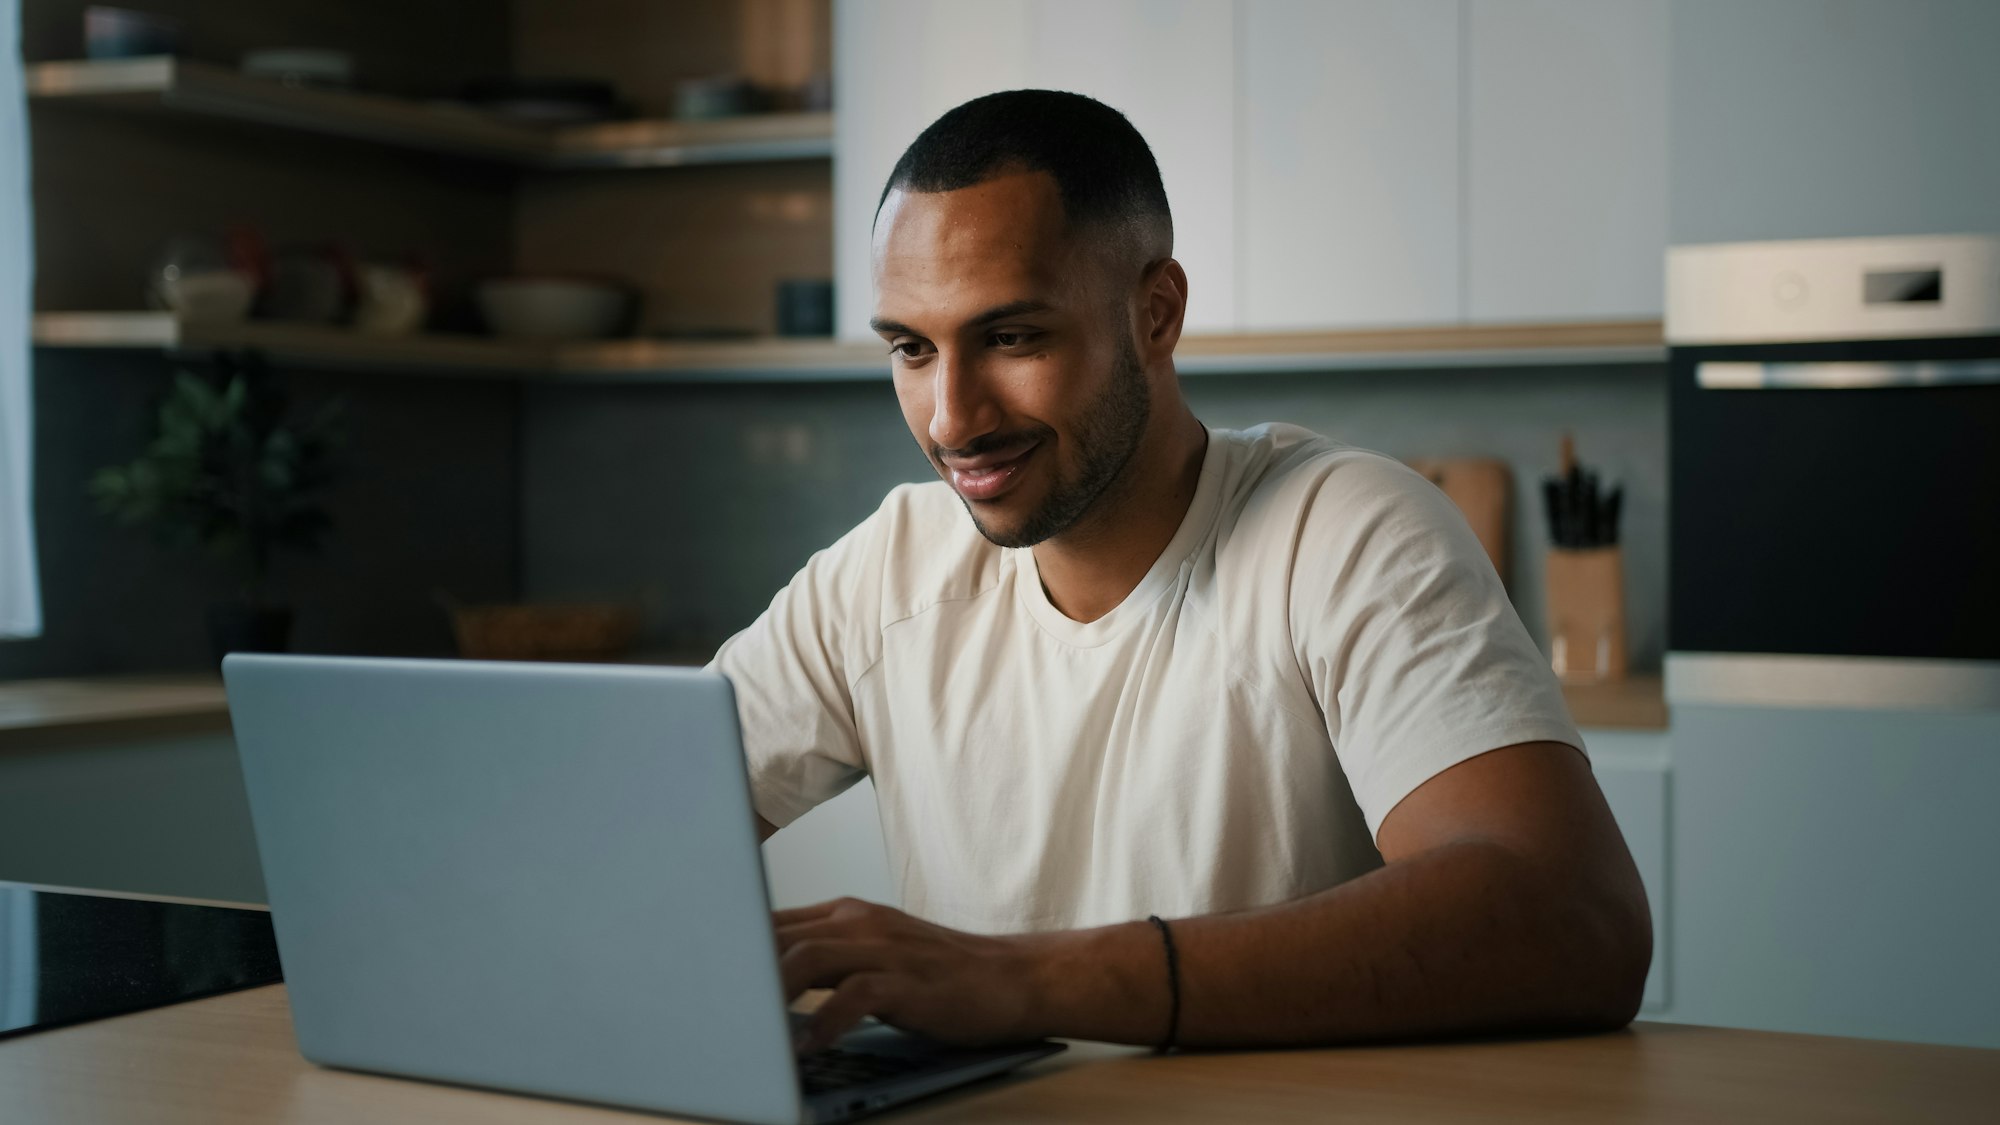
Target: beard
{"points": [[1106, 436]]}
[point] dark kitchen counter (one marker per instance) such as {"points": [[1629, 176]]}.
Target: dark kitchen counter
{"points": [[69, 955]]}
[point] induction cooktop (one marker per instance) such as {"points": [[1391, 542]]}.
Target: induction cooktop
{"points": [[70, 956]]}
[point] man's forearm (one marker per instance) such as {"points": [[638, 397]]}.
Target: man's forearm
{"points": [[1466, 937]]}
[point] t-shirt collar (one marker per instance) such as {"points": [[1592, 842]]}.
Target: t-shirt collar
{"points": [[1164, 575]]}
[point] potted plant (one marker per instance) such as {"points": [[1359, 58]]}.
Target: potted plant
{"points": [[228, 471]]}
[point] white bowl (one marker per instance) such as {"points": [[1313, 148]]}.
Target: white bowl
{"points": [[549, 308], [210, 296]]}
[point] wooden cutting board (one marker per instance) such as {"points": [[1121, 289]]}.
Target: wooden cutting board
{"points": [[1483, 489]]}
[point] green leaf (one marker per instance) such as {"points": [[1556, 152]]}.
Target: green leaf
{"points": [[226, 469]]}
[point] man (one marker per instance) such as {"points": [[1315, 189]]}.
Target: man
{"points": [[1132, 723]]}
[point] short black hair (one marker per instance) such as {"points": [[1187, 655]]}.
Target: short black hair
{"points": [[1104, 172]]}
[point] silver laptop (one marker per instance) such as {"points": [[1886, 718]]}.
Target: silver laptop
{"points": [[542, 878]]}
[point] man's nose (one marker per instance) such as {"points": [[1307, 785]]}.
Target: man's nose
{"points": [[962, 409]]}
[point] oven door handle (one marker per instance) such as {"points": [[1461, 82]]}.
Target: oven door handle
{"points": [[1843, 375]]}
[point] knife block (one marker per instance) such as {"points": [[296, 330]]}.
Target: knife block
{"points": [[1586, 608]]}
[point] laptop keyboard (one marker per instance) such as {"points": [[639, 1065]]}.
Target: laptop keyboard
{"points": [[834, 1068]]}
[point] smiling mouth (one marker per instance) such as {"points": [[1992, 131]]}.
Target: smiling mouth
{"points": [[987, 476]]}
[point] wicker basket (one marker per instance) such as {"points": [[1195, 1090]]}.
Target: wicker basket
{"points": [[544, 632]]}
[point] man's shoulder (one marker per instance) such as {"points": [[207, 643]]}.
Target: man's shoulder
{"points": [[923, 520], [922, 548], [1331, 516], [931, 503], [1287, 473]]}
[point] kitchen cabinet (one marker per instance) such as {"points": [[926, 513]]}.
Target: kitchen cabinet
{"points": [[897, 65], [1349, 161], [1566, 159], [1452, 161], [1331, 163], [1632, 769], [1832, 870], [1168, 66], [832, 851], [148, 813]]}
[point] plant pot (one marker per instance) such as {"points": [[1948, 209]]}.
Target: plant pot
{"points": [[237, 627]]}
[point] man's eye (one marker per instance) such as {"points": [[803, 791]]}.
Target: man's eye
{"points": [[908, 349], [1009, 339]]}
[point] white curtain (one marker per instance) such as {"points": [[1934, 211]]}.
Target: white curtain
{"points": [[20, 595]]}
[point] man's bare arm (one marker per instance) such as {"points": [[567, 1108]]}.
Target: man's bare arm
{"points": [[1508, 901]]}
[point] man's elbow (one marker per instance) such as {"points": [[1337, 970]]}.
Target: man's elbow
{"points": [[1622, 955]]}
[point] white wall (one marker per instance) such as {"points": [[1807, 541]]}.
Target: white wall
{"points": [[1834, 118]]}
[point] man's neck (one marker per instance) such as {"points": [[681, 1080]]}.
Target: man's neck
{"points": [[1087, 571]]}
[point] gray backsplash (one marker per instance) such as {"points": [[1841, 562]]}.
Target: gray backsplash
{"points": [[704, 500], [426, 500]]}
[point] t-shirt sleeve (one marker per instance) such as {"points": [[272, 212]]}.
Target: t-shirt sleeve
{"points": [[1406, 635], [792, 670]]}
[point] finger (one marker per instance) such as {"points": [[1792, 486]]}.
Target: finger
{"points": [[825, 964], [799, 914], [821, 929], [848, 918], [860, 995]]}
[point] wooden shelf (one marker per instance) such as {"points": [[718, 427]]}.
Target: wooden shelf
{"points": [[305, 344], [1464, 345], [822, 360], [1636, 703], [37, 714], [185, 86], [755, 360]]}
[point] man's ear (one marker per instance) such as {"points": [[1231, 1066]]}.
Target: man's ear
{"points": [[1165, 308]]}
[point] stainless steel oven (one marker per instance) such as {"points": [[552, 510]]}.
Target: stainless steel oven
{"points": [[1835, 448], [1833, 674]]}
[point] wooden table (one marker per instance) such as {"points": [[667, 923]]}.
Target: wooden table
{"points": [[231, 1060]]}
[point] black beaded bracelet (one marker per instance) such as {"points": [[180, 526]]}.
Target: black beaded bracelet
{"points": [[1173, 987]]}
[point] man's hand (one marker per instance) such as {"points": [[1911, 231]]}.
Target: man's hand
{"points": [[879, 961]]}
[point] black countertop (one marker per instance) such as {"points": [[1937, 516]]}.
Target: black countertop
{"points": [[69, 956]]}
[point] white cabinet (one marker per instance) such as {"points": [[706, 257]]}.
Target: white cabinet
{"points": [[1349, 158], [835, 850], [1566, 159], [1632, 768], [160, 814], [1167, 64], [1330, 163], [897, 65], [1832, 870]]}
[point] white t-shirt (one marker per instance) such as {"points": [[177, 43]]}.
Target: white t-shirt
{"points": [[1322, 635]]}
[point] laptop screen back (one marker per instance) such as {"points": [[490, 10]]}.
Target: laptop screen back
{"points": [[525, 876]]}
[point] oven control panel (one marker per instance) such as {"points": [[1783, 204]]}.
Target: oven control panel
{"points": [[1833, 289]]}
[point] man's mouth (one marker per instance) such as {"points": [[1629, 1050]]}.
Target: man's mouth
{"points": [[988, 475]]}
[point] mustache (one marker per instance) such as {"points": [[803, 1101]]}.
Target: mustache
{"points": [[989, 443]]}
